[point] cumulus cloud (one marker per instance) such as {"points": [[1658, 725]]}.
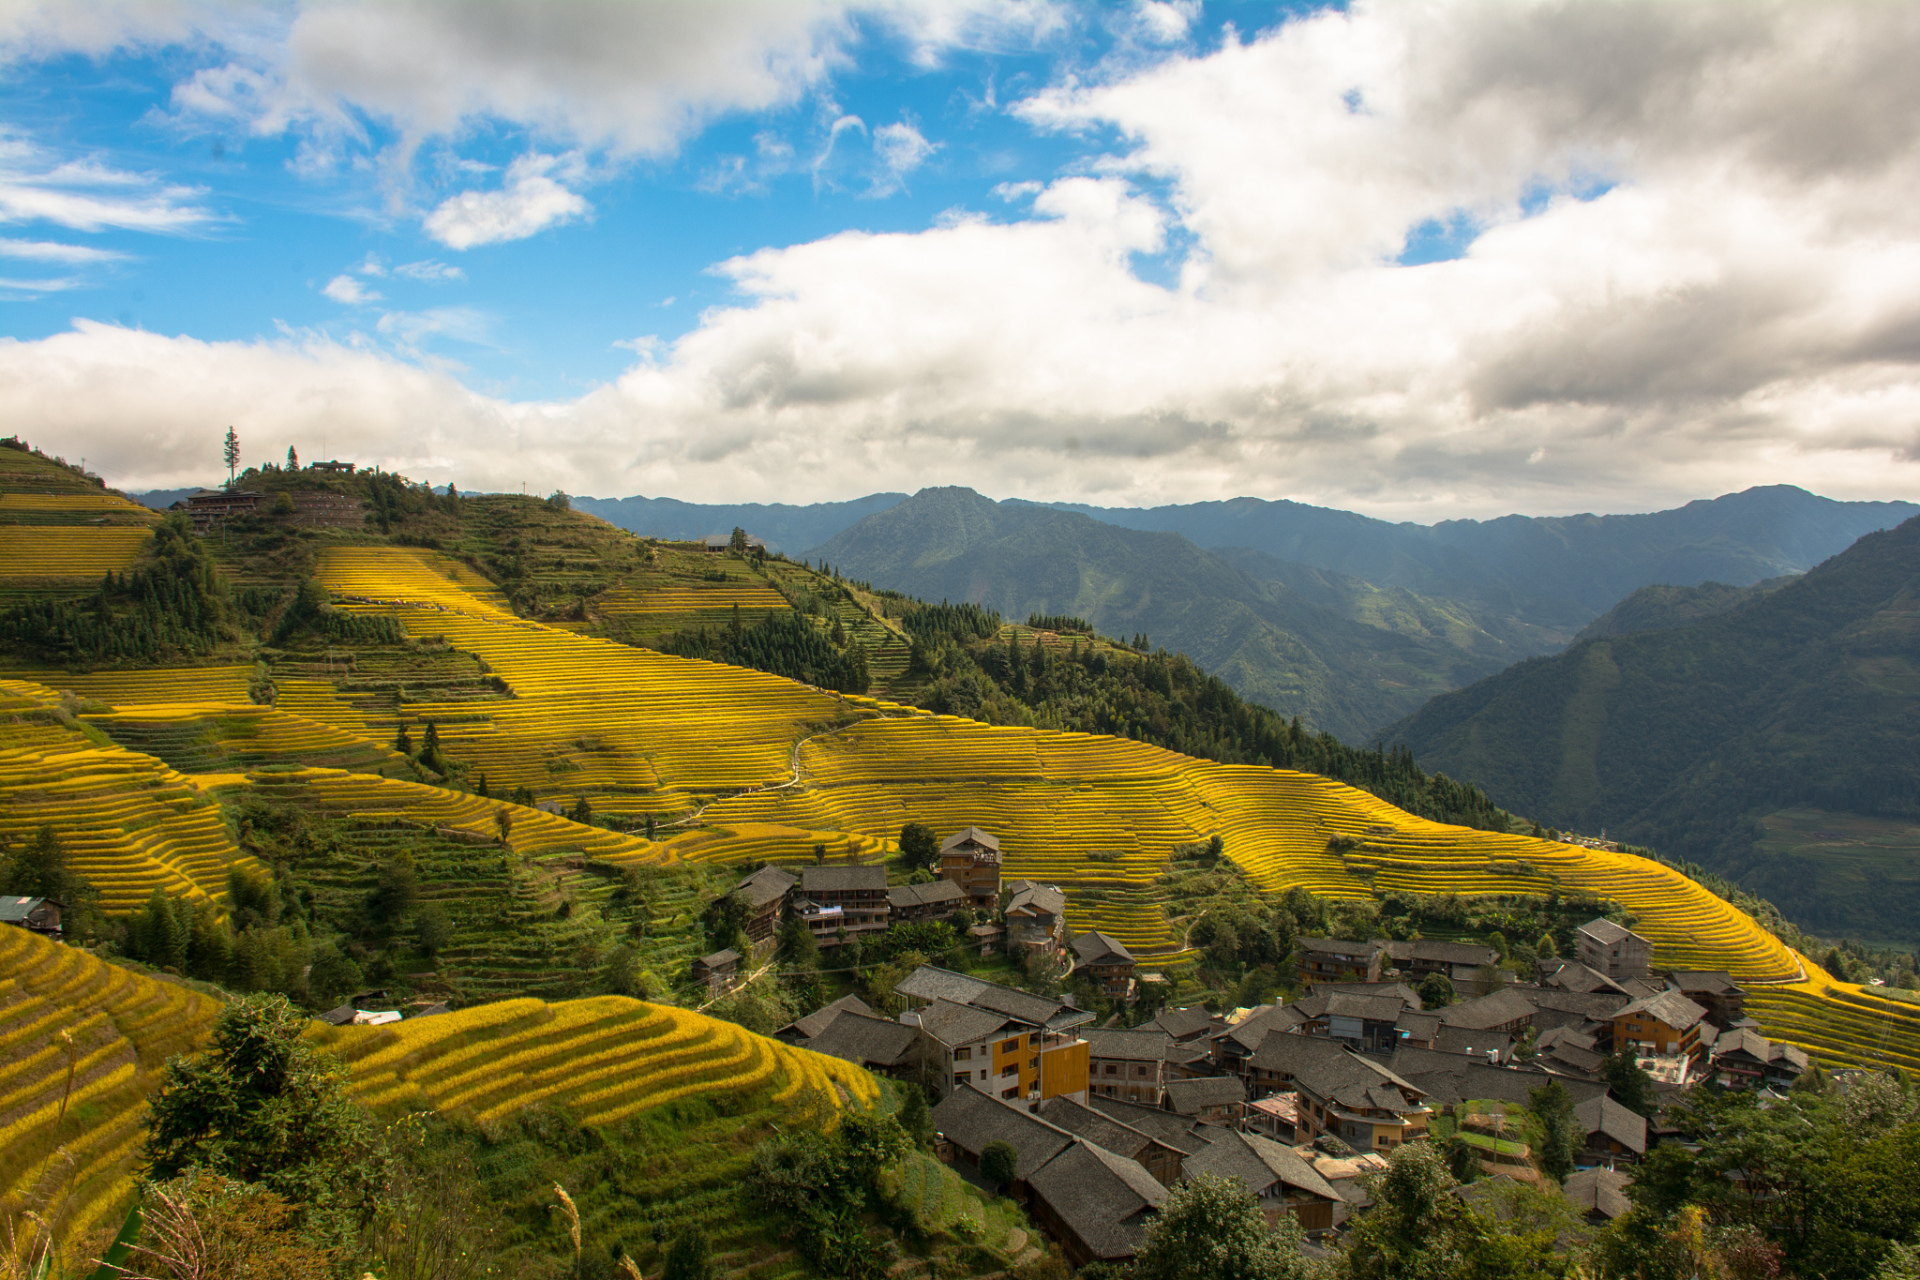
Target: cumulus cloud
{"points": [[1690, 254], [528, 203]]}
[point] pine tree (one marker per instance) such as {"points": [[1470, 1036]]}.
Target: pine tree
{"points": [[293, 459], [232, 455]]}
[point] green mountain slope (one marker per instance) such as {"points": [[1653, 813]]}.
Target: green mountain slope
{"points": [[1688, 738], [1662, 605], [1270, 641]]}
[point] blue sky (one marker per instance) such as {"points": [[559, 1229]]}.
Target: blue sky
{"points": [[547, 315], [1420, 261]]}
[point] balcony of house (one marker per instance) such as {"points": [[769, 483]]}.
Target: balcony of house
{"points": [[829, 924]]}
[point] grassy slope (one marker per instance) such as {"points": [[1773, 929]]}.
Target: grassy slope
{"points": [[1686, 738]]}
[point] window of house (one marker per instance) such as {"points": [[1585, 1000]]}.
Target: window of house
{"points": [[959, 1077], [1010, 1094], [1011, 1046], [963, 1055], [1034, 1063], [1033, 1041], [1112, 1070]]}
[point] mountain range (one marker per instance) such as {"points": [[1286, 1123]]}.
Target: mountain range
{"points": [[1767, 734], [1348, 622]]}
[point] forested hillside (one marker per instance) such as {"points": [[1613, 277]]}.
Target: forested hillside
{"points": [[1688, 738]]}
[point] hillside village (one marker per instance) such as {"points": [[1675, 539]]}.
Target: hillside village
{"points": [[1302, 1100]]}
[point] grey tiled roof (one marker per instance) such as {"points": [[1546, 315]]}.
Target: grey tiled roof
{"points": [[1096, 1126], [768, 884], [974, 834], [1180, 1023], [1601, 1114], [1097, 948], [1495, 1010], [1603, 1190], [1188, 1097], [1103, 1198], [1140, 1045], [1367, 1008], [1258, 1162], [1289, 1054], [842, 879], [972, 1119], [1178, 1132], [1669, 1007], [1606, 931], [816, 1022], [954, 1025], [903, 896], [1043, 899], [867, 1041]]}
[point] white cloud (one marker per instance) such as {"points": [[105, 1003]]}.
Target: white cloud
{"points": [[345, 289], [86, 195], [50, 251], [529, 203], [1718, 290], [430, 272], [33, 288], [901, 149]]}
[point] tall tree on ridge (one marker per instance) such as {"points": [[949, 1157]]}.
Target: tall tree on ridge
{"points": [[232, 454]]}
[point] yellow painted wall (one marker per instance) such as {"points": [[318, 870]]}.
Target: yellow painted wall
{"points": [[1063, 1069]]}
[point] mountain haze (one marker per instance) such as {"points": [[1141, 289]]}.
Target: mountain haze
{"points": [[1549, 571], [1695, 738], [782, 526]]}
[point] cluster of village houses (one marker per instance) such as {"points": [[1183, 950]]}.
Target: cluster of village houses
{"points": [[1301, 1101], [842, 903]]}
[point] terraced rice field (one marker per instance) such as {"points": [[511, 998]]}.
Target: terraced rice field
{"points": [[604, 1059], [587, 716], [38, 507], [124, 1028], [32, 552], [204, 739], [198, 686], [533, 832], [128, 823], [1843, 1024]]}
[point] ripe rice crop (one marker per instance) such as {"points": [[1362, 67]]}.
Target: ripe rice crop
{"points": [[124, 1027], [67, 551], [603, 1059], [129, 824], [533, 832]]}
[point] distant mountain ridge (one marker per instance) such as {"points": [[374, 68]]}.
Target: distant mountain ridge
{"points": [[1555, 571], [1694, 738]]}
